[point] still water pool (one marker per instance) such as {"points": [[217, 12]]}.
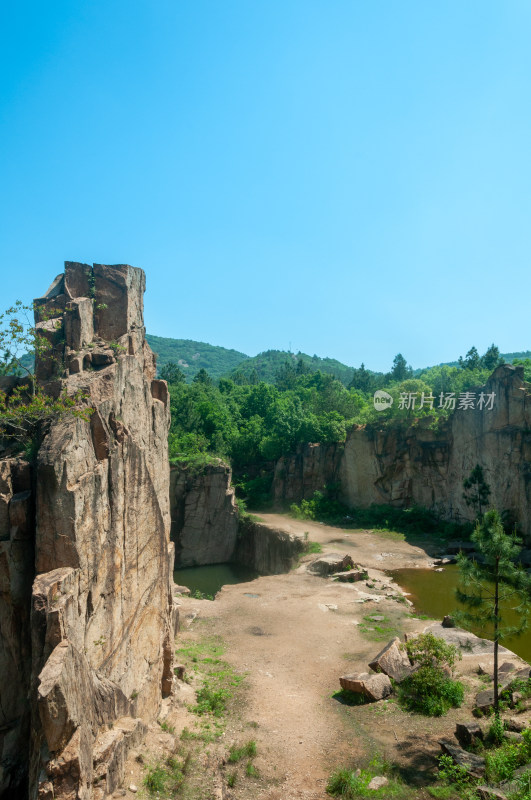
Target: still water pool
{"points": [[433, 593], [209, 579]]}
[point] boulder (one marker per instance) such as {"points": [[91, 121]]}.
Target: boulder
{"points": [[514, 724], [490, 793], [377, 783], [392, 661], [329, 563], [373, 687], [468, 733], [350, 576], [475, 765]]}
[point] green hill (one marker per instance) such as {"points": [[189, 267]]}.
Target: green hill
{"points": [[192, 356], [268, 363], [507, 357]]}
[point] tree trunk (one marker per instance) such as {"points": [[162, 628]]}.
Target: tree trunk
{"points": [[496, 634]]}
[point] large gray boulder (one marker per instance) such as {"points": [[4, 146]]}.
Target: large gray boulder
{"points": [[373, 687], [475, 765], [329, 563], [392, 661]]}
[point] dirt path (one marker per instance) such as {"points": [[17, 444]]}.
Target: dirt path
{"points": [[294, 635]]}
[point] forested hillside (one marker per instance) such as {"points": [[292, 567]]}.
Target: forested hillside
{"points": [[265, 366], [251, 421], [192, 356]]}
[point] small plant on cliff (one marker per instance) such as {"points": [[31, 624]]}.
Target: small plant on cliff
{"points": [[490, 587], [26, 410]]}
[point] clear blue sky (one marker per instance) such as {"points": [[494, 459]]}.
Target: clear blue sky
{"points": [[348, 177]]}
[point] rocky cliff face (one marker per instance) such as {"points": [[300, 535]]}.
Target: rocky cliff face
{"points": [[427, 467], [297, 476], [204, 517], [419, 465], [88, 645]]}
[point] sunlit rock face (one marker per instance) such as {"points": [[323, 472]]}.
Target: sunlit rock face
{"points": [[97, 625], [427, 467]]}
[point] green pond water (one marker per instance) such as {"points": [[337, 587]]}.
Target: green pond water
{"points": [[433, 593], [209, 579]]}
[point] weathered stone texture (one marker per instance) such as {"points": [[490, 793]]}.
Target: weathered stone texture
{"points": [[204, 517], [417, 465], [101, 627], [16, 576], [296, 477], [424, 467], [267, 550]]}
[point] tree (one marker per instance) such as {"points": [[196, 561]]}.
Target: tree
{"points": [[490, 587], [400, 370], [472, 360], [491, 359], [26, 410], [477, 490], [172, 373], [362, 379], [202, 377]]}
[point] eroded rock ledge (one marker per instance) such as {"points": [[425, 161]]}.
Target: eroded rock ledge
{"points": [[86, 616]]}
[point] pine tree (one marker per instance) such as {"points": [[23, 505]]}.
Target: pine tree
{"points": [[477, 490], [488, 588]]}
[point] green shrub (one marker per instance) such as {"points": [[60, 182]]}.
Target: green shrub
{"points": [[430, 691], [428, 650], [246, 751], [348, 785]]}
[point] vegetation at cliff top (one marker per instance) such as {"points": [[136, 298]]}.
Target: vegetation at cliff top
{"points": [[223, 362], [26, 410], [192, 356], [252, 422]]}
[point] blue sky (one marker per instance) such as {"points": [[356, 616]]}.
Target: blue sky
{"points": [[347, 178]]}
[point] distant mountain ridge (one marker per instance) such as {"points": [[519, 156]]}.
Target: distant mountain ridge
{"points": [[220, 362], [191, 356]]}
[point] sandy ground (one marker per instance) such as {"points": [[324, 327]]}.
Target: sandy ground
{"points": [[294, 635]]}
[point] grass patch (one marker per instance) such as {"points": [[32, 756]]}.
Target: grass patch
{"points": [[166, 779], [401, 522], [251, 771], [348, 698], [247, 750], [378, 630], [216, 681], [349, 785]]}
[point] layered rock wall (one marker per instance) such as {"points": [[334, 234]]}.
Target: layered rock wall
{"points": [[422, 465], [427, 467], [270, 551], [298, 476], [97, 626], [204, 516]]}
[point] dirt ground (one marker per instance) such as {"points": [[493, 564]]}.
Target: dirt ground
{"points": [[294, 635]]}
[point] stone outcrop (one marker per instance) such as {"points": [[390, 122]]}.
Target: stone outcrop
{"points": [[330, 563], [372, 687], [269, 551], [204, 516], [313, 466], [427, 467], [392, 661], [421, 465], [88, 647], [17, 535]]}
